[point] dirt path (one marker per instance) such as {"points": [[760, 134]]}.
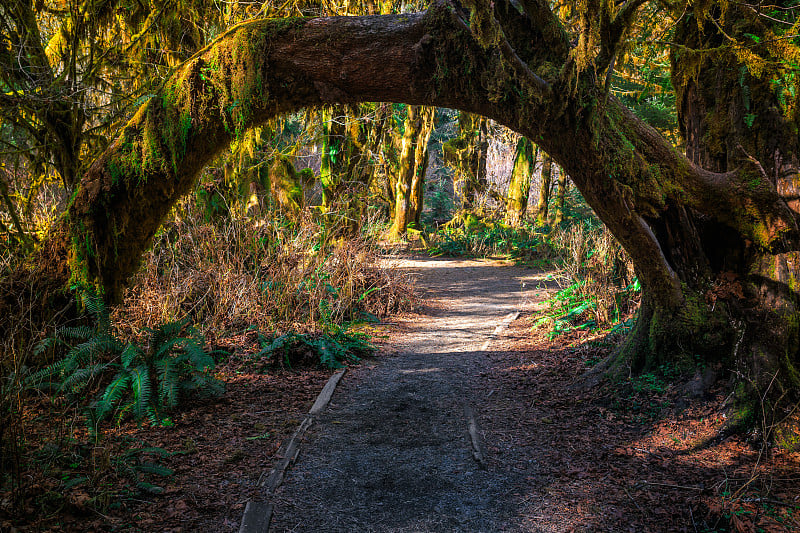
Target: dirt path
{"points": [[393, 452]]}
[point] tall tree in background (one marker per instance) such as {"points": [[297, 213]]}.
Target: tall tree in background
{"points": [[421, 159], [520, 184], [466, 155], [542, 207], [413, 163], [561, 197]]}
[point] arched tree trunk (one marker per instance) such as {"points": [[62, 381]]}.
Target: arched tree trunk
{"points": [[637, 183], [520, 183]]}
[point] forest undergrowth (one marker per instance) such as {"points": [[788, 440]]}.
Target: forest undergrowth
{"points": [[599, 291], [215, 298]]}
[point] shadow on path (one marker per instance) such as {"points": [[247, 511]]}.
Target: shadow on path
{"points": [[393, 452]]}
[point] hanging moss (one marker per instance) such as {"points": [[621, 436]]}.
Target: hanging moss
{"points": [[286, 185]]}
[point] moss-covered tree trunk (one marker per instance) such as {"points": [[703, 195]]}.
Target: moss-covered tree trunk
{"points": [[412, 164], [744, 297], [412, 126], [520, 183], [466, 155], [734, 297], [286, 186], [544, 190], [561, 197], [421, 158], [334, 153]]}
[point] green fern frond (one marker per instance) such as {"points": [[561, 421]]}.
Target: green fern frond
{"points": [[112, 395], [153, 468], [130, 354], [79, 379], [142, 392], [92, 422], [169, 383], [93, 349], [199, 358], [75, 332], [98, 310], [42, 346], [166, 347], [165, 332], [36, 379], [155, 450]]}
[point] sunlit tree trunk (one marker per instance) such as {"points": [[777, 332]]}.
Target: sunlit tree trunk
{"points": [[561, 193], [544, 190], [333, 162], [520, 183], [412, 126], [421, 157]]}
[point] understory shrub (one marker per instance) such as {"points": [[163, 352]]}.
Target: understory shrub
{"points": [[599, 286], [471, 235], [277, 274], [330, 349], [146, 380]]}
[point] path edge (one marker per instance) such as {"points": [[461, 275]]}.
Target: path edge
{"points": [[258, 515]]}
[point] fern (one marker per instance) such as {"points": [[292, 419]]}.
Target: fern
{"points": [[114, 392], [168, 383], [198, 357], [75, 332], [332, 348], [80, 379], [144, 382], [140, 385]]}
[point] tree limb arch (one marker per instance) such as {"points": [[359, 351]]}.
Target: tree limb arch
{"points": [[263, 68]]}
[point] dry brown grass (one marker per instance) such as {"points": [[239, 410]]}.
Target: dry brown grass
{"points": [[272, 274], [595, 257]]}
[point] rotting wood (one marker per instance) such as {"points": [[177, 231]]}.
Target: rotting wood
{"points": [[327, 392], [288, 456], [258, 515], [474, 435], [509, 318]]}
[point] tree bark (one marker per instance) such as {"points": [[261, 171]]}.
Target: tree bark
{"points": [[637, 183], [544, 191], [412, 126], [561, 193], [466, 154], [520, 183], [421, 157]]}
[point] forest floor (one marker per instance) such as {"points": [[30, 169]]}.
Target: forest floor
{"points": [[393, 451]]}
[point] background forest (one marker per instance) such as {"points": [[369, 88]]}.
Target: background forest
{"points": [[272, 261]]}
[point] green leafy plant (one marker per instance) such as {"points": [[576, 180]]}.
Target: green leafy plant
{"points": [[146, 381], [600, 288], [140, 464], [476, 237], [329, 349]]}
